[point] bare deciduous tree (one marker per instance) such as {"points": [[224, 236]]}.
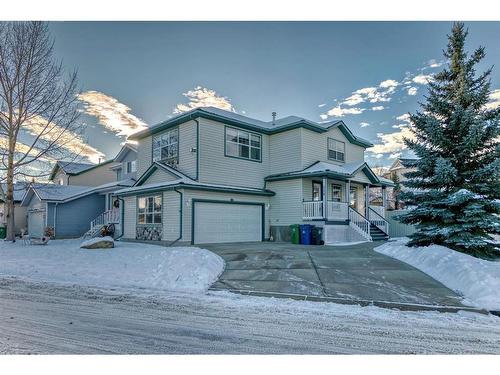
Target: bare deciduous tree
{"points": [[38, 107]]}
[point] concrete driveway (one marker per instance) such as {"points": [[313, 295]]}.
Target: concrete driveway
{"points": [[350, 273]]}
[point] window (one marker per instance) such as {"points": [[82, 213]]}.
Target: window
{"points": [[149, 210], [317, 191], [166, 147], [336, 193], [336, 150], [61, 181], [241, 144], [132, 166]]}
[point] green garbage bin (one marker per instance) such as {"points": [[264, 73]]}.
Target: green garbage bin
{"points": [[295, 233], [3, 232]]}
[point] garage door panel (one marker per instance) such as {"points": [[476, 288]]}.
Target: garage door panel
{"points": [[223, 222], [36, 221]]}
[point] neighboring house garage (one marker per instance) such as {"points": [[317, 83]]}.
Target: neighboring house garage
{"points": [[216, 221]]}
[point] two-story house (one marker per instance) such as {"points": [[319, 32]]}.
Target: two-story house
{"points": [[210, 175], [79, 198], [399, 167]]}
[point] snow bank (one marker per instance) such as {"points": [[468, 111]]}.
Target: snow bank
{"points": [[141, 268], [477, 280]]}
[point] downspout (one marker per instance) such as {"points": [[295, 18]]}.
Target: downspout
{"points": [[55, 217], [122, 211], [181, 201]]}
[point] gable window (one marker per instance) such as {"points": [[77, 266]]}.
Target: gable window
{"points": [[336, 193], [149, 210], [132, 166], [336, 150], [242, 144], [166, 147]]}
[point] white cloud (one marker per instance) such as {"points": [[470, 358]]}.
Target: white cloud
{"points": [[494, 99], [422, 79], [404, 117], [434, 64], [341, 112], [323, 116], [392, 142], [395, 155], [203, 97], [364, 124], [353, 100], [321, 105], [378, 108], [112, 114], [412, 91], [65, 139], [389, 83]]}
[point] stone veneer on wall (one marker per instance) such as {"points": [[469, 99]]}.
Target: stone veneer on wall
{"points": [[149, 233]]}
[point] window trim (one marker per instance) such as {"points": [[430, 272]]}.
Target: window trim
{"points": [[341, 190], [249, 147], [163, 132], [153, 212], [328, 149]]}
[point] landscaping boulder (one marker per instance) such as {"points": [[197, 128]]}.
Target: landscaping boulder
{"points": [[98, 243]]}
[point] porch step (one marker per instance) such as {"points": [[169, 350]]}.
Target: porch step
{"points": [[377, 234]]}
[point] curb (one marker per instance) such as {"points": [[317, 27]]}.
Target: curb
{"points": [[384, 304]]}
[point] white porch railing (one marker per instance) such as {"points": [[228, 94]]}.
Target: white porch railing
{"points": [[107, 217], [379, 210], [376, 219], [312, 210], [359, 223], [337, 210]]}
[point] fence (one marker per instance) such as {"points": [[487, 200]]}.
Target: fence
{"points": [[397, 229]]}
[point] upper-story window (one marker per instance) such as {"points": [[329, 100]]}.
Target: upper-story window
{"points": [[132, 166], [166, 147], [244, 145], [336, 150]]}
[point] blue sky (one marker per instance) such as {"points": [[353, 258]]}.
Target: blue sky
{"points": [[368, 74]]}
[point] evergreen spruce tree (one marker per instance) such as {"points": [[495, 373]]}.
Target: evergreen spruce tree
{"points": [[456, 185]]}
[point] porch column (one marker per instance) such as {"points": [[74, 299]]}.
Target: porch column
{"points": [[367, 200], [325, 197], [347, 191]]}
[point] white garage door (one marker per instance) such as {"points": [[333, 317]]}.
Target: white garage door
{"points": [[36, 223], [222, 222]]}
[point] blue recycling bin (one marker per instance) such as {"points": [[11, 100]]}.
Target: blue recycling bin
{"points": [[306, 234]]}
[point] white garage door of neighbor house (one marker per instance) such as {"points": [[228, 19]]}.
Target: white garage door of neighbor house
{"points": [[222, 222], [36, 221]]}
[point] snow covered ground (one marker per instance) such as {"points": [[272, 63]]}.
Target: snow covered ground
{"points": [[128, 266], [476, 279], [46, 318]]}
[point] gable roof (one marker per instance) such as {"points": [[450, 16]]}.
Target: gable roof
{"points": [[73, 169], [324, 169], [403, 163], [231, 118], [159, 165], [19, 191], [127, 147]]}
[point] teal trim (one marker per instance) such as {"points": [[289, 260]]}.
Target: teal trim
{"points": [[249, 148], [263, 214], [145, 195], [244, 125], [198, 187]]}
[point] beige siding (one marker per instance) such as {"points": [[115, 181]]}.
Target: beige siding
{"points": [[190, 194], [216, 168], [187, 142], [129, 219], [286, 205], [315, 147], [361, 177], [96, 176], [60, 176], [144, 155], [285, 152], [160, 176]]}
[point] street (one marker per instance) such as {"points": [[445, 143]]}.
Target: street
{"points": [[49, 319]]}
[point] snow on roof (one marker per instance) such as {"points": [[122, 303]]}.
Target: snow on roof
{"points": [[54, 192], [125, 182], [19, 191], [70, 167]]}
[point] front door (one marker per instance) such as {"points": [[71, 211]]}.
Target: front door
{"points": [[317, 191], [353, 197]]}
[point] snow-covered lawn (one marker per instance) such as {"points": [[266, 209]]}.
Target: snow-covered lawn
{"points": [[128, 266], [476, 279]]}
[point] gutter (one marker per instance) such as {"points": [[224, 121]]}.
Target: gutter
{"points": [[181, 201]]}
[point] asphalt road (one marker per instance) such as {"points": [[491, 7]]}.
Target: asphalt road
{"points": [[49, 319]]}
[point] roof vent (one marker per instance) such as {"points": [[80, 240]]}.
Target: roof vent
{"points": [[274, 118]]}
